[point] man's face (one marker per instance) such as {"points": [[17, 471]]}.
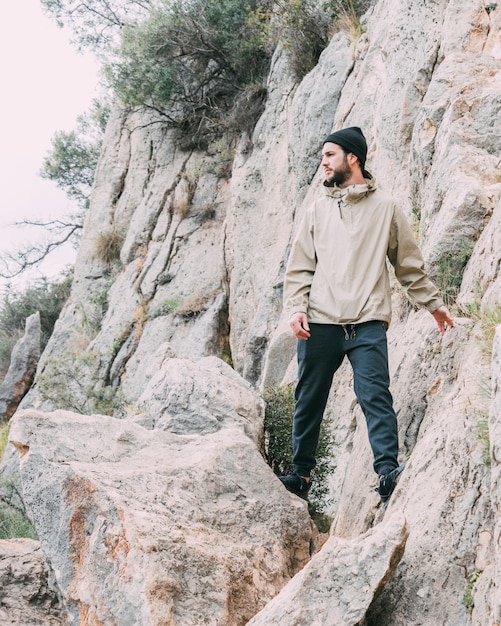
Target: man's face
{"points": [[335, 163]]}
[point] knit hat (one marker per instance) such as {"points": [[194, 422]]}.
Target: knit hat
{"points": [[353, 140]]}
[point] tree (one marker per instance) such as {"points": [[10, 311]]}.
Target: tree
{"points": [[70, 163], [73, 157], [96, 23], [191, 60]]}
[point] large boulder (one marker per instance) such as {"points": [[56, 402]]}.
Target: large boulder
{"points": [[164, 517]]}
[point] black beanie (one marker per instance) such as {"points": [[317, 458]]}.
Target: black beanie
{"points": [[353, 140]]}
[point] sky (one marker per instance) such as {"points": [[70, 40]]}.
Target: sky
{"points": [[46, 85]]}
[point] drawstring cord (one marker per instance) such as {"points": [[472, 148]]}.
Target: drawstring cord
{"points": [[351, 334]]}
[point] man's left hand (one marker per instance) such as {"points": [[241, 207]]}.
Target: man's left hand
{"points": [[443, 319]]}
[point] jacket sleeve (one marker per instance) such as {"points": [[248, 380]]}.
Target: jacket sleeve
{"points": [[300, 267], [405, 256]]}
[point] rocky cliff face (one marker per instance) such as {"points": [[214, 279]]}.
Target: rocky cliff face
{"points": [[199, 274]]}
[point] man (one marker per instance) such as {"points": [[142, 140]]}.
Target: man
{"points": [[337, 292]]}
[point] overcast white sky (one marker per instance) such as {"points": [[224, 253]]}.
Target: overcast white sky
{"points": [[46, 84]]}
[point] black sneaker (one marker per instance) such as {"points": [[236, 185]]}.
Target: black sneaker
{"points": [[296, 484], [388, 482]]}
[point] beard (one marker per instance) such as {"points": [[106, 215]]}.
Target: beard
{"points": [[341, 175]]}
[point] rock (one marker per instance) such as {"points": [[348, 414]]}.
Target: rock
{"points": [[281, 350], [482, 272], [201, 274], [443, 491], [494, 599], [339, 583], [167, 525], [25, 595], [22, 368], [453, 213], [202, 397]]}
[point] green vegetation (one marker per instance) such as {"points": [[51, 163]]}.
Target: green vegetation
{"points": [[468, 599], [73, 157], [15, 306], [201, 65], [96, 23], [278, 428], [449, 267], [4, 437], [186, 310], [14, 521], [70, 163], [166, 307], [189, 60], [488, 317], [303, 32], [93, 314]]}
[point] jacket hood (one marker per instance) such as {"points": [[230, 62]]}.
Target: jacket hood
{"points": [[353, 193]]}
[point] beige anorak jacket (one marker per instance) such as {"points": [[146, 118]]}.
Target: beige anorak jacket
{"points": [[337, 271]]}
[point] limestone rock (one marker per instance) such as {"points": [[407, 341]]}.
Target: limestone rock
{"points": [[339, 584], [171, 525], [201, 397], [201, 274], [22, 368], [25, 595], [443, 491], [495, 454]]}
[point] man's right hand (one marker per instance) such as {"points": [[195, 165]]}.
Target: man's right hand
{"points": [[299, 324]]}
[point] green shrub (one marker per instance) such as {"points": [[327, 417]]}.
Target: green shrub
{"points": [[201, 64], [468, 599], [489, 318], [43, 296], [166, 307], [303, 30], [72, 159], [448, 269], [482, 432], [14, 521], [279, 412], [4, 437], [189, 61]]}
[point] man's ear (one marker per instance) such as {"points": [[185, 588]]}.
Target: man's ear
{"points": [[352, 159]]}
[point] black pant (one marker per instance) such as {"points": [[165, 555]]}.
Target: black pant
{"points": [[319, 357]]}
